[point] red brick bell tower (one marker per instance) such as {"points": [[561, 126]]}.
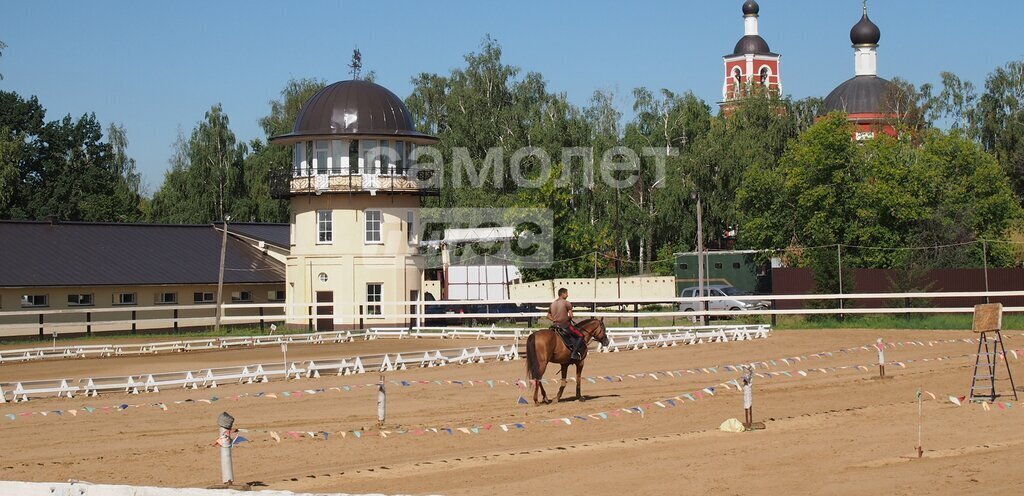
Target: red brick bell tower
{"points": [[752, 67]]}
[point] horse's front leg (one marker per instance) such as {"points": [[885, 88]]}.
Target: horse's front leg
{"points": [[579, 379], [565, 370]]}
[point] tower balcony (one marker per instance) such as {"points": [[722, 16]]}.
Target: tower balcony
{"points": [[415, 181]]}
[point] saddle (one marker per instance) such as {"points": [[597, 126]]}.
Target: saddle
{"points": [[568, 338]]}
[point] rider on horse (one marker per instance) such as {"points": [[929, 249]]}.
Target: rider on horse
{"points": [[560, 315]]}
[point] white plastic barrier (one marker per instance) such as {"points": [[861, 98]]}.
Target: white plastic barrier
{"points": [[94, 385], [634, 339], [86, 489], [22, 390], [184, 379]]}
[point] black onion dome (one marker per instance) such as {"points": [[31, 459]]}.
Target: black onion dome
{"points": [[865, 32], [860, 95], [354, 108], [751, 8], [752, 44]]}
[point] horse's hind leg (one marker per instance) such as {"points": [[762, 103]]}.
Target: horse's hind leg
{"points": [[538, 386], [544, 394], [565, 370]]}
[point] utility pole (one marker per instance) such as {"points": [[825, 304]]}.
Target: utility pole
{"points": [[700, 260], [839, 255], [984, 260], [220, 276]]}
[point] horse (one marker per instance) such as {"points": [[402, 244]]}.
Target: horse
{"points": [[546, 346]]}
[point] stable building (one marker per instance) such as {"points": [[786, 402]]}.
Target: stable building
{"points": [[77, 277], [355, 196]]}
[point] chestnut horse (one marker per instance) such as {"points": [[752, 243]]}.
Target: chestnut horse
{"points": [[546, 346]]}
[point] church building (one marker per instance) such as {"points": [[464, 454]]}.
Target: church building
{"points": [[864, 96]]}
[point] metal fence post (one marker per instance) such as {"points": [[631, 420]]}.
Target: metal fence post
{"points": [[224, 423]]}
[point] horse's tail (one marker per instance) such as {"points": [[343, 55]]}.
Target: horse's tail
{"points": [[532, 363]]}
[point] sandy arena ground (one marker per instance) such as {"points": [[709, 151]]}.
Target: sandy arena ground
{"points": [[838, 432]]}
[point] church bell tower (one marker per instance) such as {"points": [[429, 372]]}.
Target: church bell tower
{"points": [[752, 67]]}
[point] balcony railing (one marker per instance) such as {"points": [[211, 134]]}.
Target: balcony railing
{"points": [[295, 182]]}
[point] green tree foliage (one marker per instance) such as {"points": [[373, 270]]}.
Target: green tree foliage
{"points": [[486, 107], [829, 190], [269, 162], [752, 137], [211, 183], [1000, 119], [663, 123], [61, 169]]}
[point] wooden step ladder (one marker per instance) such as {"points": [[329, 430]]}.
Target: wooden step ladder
{"points": [[988, 323]]}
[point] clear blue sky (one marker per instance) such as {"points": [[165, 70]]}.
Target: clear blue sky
{"points": [[158, 66]]}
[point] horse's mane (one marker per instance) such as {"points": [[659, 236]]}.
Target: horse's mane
{"points": [[585, 322]]}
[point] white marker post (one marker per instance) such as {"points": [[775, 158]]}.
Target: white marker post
{"points": [[881, 358], [225, 422], [54, 340], [382, 402], [920, 421], [284, 349], [748, 397], [273, 327]]}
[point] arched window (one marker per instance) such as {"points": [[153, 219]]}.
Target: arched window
{"points": [[765, 73], [738, 75]]}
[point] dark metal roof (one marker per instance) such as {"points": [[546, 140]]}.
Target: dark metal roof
{"points": [[752, 44], [275, 234], [865, 32], [92, 254], [750, 7], [357, 109], [862, 94]]}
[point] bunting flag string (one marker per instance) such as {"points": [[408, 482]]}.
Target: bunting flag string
{"points": [[521, 384]]}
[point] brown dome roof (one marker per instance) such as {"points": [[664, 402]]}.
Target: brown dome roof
{"points": [[860, 95], [356, 109]]}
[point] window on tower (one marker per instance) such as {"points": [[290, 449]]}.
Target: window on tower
{"points": [[764, 76], [325, 227], [322, 151], [374, 220], [353, 157]]}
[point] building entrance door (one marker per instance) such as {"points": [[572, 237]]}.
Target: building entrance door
{"points": [[324, 323]]}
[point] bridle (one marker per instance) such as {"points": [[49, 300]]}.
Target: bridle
{"points": [[592, 334]]}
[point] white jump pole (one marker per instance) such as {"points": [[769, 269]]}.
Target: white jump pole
{"points": [[748, 397], [881, 357], [284, 350], [225, 422], [382, 402]]}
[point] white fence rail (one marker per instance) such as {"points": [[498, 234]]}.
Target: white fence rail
{"points": [[423, 314]]}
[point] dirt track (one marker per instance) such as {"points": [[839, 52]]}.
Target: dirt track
{"points": [[828, 433]]}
